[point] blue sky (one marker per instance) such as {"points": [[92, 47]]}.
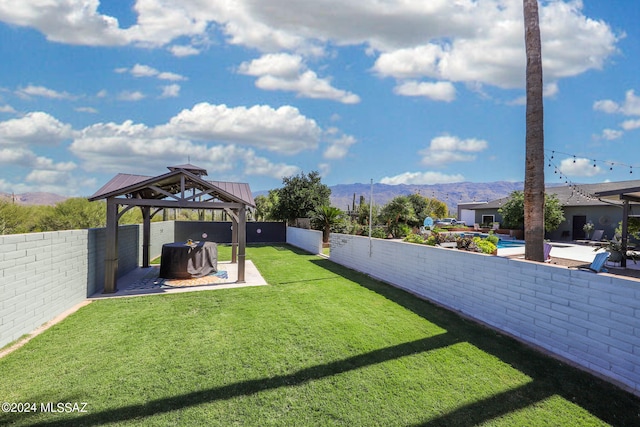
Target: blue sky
{"points": [[398, 91]]}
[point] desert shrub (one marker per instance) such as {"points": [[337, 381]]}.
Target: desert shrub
{"points": [[492, 238], [379, 233], [414, 238], [467, 244], [485, 246]]}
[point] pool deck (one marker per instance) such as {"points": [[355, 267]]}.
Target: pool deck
{"points": [[571, 251], [559, 250]]}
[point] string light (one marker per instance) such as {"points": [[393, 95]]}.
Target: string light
{"points": [[606, 163]]}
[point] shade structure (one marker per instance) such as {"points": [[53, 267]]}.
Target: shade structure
{"points": [[182, 187]]}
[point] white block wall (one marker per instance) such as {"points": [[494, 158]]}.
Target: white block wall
{"points": [[41, 276], [44, 274], [309, 240], [590, 319]]}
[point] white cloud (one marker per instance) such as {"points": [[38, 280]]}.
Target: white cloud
{"points": [[140, 70], [288, 72], [181, 50], [339, 147], [131, 96], [165, 75], [44, 92], [457, 41], [631, 124], [575, 167], [34, 128], [491, 49], [428, 177], [611, 134], [45, 174], [630, 106], [7, 109], [70, 21], [170, 91], [438, 91], [221, 138], [606, 106], [89, 110], [115, 147], [282, 130], [446, 149], [261, 166]]}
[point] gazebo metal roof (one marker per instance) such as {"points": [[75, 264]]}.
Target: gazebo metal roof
{"points": [[173, 183]]}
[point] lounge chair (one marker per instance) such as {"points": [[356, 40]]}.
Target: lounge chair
{"points": [[595, 239], [547, 251], [597, 266]]}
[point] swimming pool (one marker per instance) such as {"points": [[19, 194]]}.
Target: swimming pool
{"points": [[502, 244]]}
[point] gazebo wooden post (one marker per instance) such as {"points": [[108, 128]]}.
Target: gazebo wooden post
{"points": [[146, 236], [625, 232], [234, 239], [242, 240], [111, 250]]}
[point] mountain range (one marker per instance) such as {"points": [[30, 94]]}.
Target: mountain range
{"points": [[342, 195], [38, 198]]}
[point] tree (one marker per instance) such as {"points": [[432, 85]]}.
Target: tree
{"points": [[75, 213], [396, 214], [301, 196], [427, 207], [513, 212], [265, 206], [324, 218], [534, 159]]}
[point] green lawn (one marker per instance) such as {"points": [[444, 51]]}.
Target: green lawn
{"points": [[322, 345]]}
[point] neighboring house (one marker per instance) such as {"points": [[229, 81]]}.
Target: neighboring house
{"points": [[578, 208]]}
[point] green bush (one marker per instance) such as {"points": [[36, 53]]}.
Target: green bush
{"points": [[414, 238], [492, 238], [467, 244], [379, 233], [485, 246]]}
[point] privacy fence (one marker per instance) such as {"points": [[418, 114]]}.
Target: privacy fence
{"points": [[592, 320], [44, 274]]}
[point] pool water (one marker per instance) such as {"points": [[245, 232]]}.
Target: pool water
{"points": [[502, 244]]}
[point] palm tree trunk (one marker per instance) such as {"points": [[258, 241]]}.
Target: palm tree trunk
{"points": [[534, 162]]}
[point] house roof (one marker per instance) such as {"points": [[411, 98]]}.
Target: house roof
{"points": [[180, 178], [601, 194]]}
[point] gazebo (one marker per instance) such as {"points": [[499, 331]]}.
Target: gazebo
{"points": [[628, 196], [182, 187]]}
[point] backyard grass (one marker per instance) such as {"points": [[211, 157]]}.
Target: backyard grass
{"points": [[322, 345]]}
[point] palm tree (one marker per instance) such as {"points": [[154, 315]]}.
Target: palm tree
{"points": [[398, 211], [534, 163], [326, 217]]}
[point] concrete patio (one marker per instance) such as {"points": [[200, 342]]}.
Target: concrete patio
{"points": [[130, 284]]}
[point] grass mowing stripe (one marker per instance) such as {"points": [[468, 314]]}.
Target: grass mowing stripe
{"points": [[322, 345]]}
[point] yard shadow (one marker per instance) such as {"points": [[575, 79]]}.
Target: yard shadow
{"points": [[250, 387], [550, 376]]}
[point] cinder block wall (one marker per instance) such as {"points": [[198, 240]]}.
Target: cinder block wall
{"points": [[44, 274], [590, 319], [41, 276], [309, 240]]}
